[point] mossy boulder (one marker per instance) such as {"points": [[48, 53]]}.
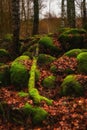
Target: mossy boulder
{"points": [[47, 46], [73, 52], [46, 41], [27, 53], [19, 72], [71, 87], [82, 62], [4, 56], [4, 75], [72, 38], [45, 59], [37, 114], [49, 82]]}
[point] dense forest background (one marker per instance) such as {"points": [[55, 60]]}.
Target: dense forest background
{"points": [[50, 23]]}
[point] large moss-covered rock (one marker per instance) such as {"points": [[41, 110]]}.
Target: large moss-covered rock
{"points": [[38, 114], [71, 87], [19, 72], [4, 75], [82, 62], [47, 46], [46, 41], [73, 38], [45, 59], [27, 53], [73, 52], [49, 82]]}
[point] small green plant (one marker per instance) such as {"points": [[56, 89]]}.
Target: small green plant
{"points": [[23, 94]]}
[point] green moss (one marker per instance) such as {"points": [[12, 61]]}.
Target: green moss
{"points": [[2, 64], [53, 69], [84, 50], [21, 58], [74, 31], [45, 59], [19, 72], [3, 52], [46, 45], [35, 95], [46, 41], [38, 114], [37, 98], [4, 75], [82, 62], [33, 92], [28, 109], [31, 83], [37, 75], [72, 38], [73, 52], [49, 82], [8, 37], [27, 53], [23, 94], [71, 87]]}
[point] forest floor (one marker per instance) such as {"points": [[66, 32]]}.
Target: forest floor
{"points": [[66, 113]]}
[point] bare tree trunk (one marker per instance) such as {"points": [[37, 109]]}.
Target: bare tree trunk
{"points": [[1, 20], [15, 25], [36, 17], [63, 13], [71, 13], [84, 15]]}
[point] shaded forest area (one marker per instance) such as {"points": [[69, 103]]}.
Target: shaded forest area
{"points": [[43, 66]]}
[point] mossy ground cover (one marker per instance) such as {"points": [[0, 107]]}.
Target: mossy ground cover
{"points": [[26, 106]]}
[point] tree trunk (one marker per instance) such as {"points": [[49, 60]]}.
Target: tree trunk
{"points": [[36, 17], [15, 26], [63, 13], [71, 13], [84, 13]]}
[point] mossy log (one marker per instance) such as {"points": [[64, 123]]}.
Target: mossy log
{"points": [[33, 92]]}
